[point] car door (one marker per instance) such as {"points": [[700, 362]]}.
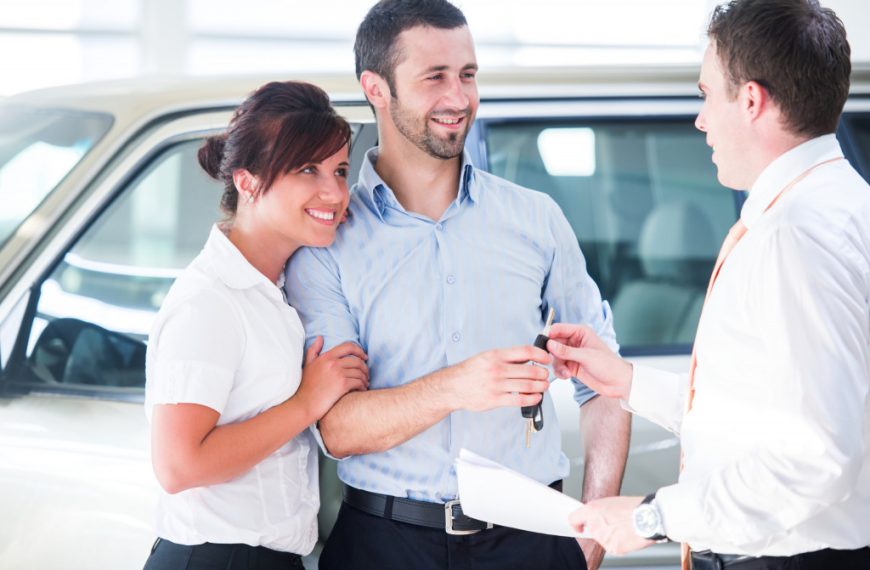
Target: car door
{"points": [[76, 471]]}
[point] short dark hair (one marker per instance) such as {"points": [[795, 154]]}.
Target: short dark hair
{"points": [[280, 127], [375, 45], [796, 49]]}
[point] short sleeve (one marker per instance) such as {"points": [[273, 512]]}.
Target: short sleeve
{"points": [[194, 350]]}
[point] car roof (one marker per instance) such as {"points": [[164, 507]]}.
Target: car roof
{"points": [[147, 95]]}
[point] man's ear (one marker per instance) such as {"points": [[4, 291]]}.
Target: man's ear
{"points": [[246, 184], [375, 88], [755, 100]]}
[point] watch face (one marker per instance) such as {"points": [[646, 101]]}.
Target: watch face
{"points": [[646, 521]]}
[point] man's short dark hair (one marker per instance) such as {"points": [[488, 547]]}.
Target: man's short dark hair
{"points": [[375, 46], [795, 49]]}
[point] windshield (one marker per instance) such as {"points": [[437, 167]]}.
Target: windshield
{"points": [[38, 148]]}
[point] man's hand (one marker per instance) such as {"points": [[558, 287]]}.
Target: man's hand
{"points": [[609, 522], [499, 378], [578, 352], [592, 551]]}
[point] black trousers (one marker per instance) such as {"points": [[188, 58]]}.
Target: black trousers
{"points": [[166, 555], [827, 559], [360, 541]]}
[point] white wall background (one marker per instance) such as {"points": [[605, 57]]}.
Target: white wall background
{"points": [[54, 42]]}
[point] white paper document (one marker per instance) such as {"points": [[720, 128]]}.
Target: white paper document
{"points": [[493, 493]]}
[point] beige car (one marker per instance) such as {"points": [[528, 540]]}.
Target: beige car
{"points": [[103, 203]]}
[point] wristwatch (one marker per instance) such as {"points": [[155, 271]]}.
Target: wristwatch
{"points": [[648, 521]]}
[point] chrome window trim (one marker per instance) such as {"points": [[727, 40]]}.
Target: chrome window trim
{"points": [[858, 104], [603, 108], [608, 107]]}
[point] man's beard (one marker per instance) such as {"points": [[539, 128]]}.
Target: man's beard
{"points": [[423, 137]]}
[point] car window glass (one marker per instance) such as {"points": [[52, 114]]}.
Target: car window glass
{"points": [[643, 200], [38, 148], [96, 307], [860, 127]]}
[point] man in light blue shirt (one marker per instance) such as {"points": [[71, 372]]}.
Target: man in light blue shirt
{"points": [[443, 275]]}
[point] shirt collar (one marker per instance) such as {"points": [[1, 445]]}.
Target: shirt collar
{"points": [[230, 266], [783, 170], [382, 196]]}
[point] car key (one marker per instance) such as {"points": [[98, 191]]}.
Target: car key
{"points": [[535, 414]]}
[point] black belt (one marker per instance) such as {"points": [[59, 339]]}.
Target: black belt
{"points": [[706, 560], [443, 516], [825, 558], [227, 551]]}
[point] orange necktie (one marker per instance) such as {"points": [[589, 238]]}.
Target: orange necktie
{"points": [[736, 232]]}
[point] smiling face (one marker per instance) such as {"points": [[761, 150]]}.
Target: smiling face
{"points": [[435, 98], [304, 207], [724, 123]]}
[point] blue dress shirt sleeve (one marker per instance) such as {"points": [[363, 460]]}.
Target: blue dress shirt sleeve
{"points": [[571, 291], [313, 287]]}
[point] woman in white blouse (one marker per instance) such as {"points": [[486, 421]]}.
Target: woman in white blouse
{"points": [[226, 394]]}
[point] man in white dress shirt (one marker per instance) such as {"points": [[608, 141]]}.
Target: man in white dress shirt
{"points": [[774, 415]]}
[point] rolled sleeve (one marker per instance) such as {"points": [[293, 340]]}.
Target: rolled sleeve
{"points": [[315, 432]]}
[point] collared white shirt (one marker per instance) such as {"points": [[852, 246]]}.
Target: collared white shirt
{"points": [[777, 443], [225, 338]]}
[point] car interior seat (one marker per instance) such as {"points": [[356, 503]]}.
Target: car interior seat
{"points": [[72, 351], [677, 249]]}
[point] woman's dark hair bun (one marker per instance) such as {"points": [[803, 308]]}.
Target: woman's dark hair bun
{"points": [[211, 155]]}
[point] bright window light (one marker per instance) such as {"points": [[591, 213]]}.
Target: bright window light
{"points": [[568, 152]]}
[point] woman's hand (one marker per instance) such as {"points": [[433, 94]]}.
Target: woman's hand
{"points": [[329, 376], [190, 450]]}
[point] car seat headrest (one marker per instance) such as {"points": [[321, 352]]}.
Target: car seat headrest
{"points": [[677, 244]]}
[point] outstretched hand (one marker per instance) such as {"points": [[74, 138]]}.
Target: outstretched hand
{"points": [[577, 351]]}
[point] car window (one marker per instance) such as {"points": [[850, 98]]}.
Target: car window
{"points": [[38, 148], [644, 202], [96, 307], [860, 129]]}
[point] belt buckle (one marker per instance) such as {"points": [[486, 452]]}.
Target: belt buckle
{"points": [[448, 521]]}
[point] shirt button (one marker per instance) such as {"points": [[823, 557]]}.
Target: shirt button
{"points": [[439, 227], [451, 279], [456, 337]]}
